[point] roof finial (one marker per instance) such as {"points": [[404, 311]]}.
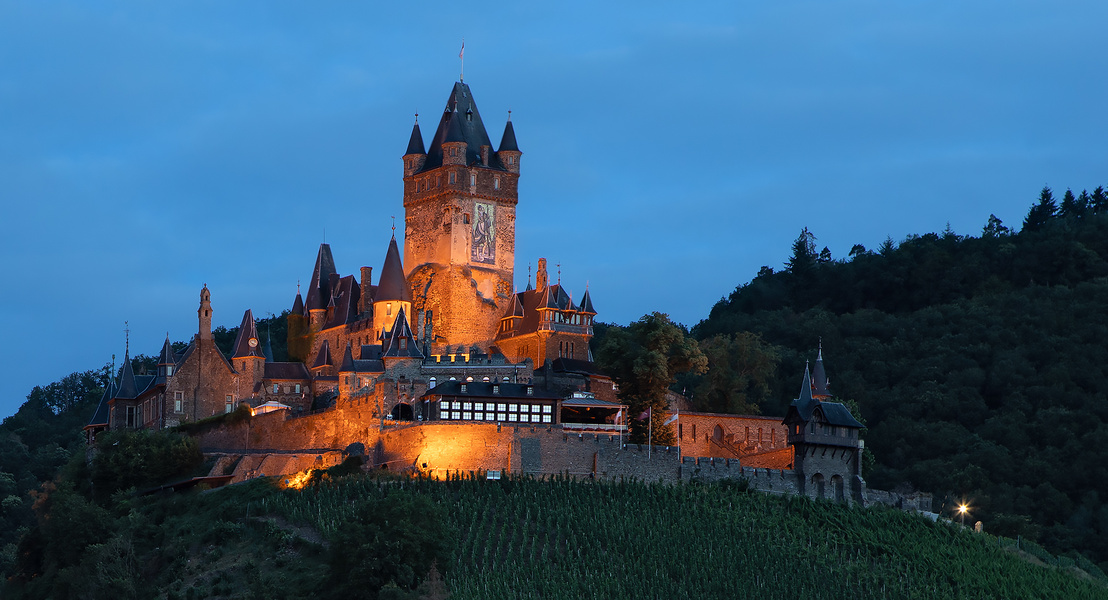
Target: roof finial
{"points": [[417, 118], [127, 333], [297, 287], [510, 116], [820, 356], [462, 57], [559, 265], [394, 227], [528, 274]]}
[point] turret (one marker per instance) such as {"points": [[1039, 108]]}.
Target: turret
{"points": [[393, 295], [319, 290], [508, 151], [414, 157], [205, 313], [166, 360], [454, 144]]}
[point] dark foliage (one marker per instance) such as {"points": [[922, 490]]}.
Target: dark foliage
{"points": [[979, 363]]}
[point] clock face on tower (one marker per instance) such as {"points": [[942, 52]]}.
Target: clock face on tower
{"points": [[253, 342]]}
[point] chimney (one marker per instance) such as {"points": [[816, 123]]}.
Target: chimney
{"points": [[485, 155], [364, 301]]}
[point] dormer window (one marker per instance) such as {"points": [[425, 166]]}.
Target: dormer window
{"points": [[496, 389], [463, 388], [530, 391]]}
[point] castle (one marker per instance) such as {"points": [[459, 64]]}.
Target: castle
{"points": [[441, 365]]}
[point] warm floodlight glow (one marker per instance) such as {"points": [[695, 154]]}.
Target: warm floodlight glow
{"points": [[962, 508]]}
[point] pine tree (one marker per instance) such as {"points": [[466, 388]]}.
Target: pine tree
{"points": [[1041, 213]]}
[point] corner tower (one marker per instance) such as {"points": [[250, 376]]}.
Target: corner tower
{"points": [[459, 237]]}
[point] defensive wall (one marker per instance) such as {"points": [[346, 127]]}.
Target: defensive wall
{"points": [[277, 444]]}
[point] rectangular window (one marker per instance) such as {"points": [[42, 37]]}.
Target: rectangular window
{"points": [[501, 407], [496, 183], [229, 403], [467, 406], [512, 416], [530, 391], [455, 415], [453, 179], [473, 179], [546, 409], [525, 418], [463, 388], [546, 418], [513, 407], [499, 416], [298, 388], [478, 416], [479, 406], [467, 416], [178, 402], [496, 389], [276, 388]]}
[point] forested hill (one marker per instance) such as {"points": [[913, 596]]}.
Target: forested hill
{"points": [[980, 363]]}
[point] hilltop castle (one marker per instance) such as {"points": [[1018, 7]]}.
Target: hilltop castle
{"points": [[441, 365]]}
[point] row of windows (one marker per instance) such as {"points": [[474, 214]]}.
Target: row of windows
{"points": [[490, 416], [425, 184], [497, 406], [293, 389]]}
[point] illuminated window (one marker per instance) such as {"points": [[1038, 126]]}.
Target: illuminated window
{"points": [[501, 407], [479, 416], [276, 388], [467, 416], [298, 388], [479, 406], [388, 308], [499, 416], [470, 379], [546, 418], [546, 409], [513, 407], [525, 418], [467, 406], [456, 405], [456, 415], [512, 416], [485, 379]]}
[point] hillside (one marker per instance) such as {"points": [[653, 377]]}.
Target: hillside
{"points": [[346, 537], [979, 363]]}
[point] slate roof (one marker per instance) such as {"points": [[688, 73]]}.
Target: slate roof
{"points": [[401, 330], [806, 406], [319, 289], [286, 370], [298, 305], [552, 297], [415, 143], [837, 414], [508, 140], [344, 302], [461, 122], [352, 365], [323, 357], [248, 330], [573, 365], [392, 285], [819, 376], [586, 303], [103, 410], [128, 388], [589, 402], [483, 389]]}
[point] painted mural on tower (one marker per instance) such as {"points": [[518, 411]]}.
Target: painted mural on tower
{"points": [[484, 234]]}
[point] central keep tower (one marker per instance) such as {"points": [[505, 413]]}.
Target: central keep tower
{"points": [[459, 228]]}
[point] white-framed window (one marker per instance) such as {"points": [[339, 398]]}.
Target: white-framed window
{"points": [[463, 388], [479, 406], [499, 416], [546, 418], [467, 416], [168, 370], [455, 415], [496, 389], [501, 407], [479, 416], [525, 418], [546, 409], [512, 416], [513, 407], [467, 406], [432, 382]]}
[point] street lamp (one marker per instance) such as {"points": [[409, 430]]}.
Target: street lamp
{"points": [[962, 509]]}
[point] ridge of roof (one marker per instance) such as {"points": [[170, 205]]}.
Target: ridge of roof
{"points": [[347, 359], [323, 357]]}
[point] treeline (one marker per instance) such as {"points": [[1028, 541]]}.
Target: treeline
{"points": [[978, 362]]}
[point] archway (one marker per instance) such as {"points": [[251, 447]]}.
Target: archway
{"points": [[818, 484], [402, 412]]}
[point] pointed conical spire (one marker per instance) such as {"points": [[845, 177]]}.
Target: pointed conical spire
{"points": [[460, 122], [392, 286], [805, 387], [415, 143], [298, 305], [347, 359], [819, 376], [127, 387], [508, 140], [167, 357], [103, 409], [586, 303], [516, 309], [247, 343], [319, 290]]}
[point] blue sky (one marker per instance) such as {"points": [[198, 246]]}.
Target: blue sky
{"points": [[149, 148]]}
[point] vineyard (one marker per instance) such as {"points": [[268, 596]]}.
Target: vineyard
{"points": [[561, 538]]}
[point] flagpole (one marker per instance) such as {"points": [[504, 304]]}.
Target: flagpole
{"points": [[462, 56]]}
